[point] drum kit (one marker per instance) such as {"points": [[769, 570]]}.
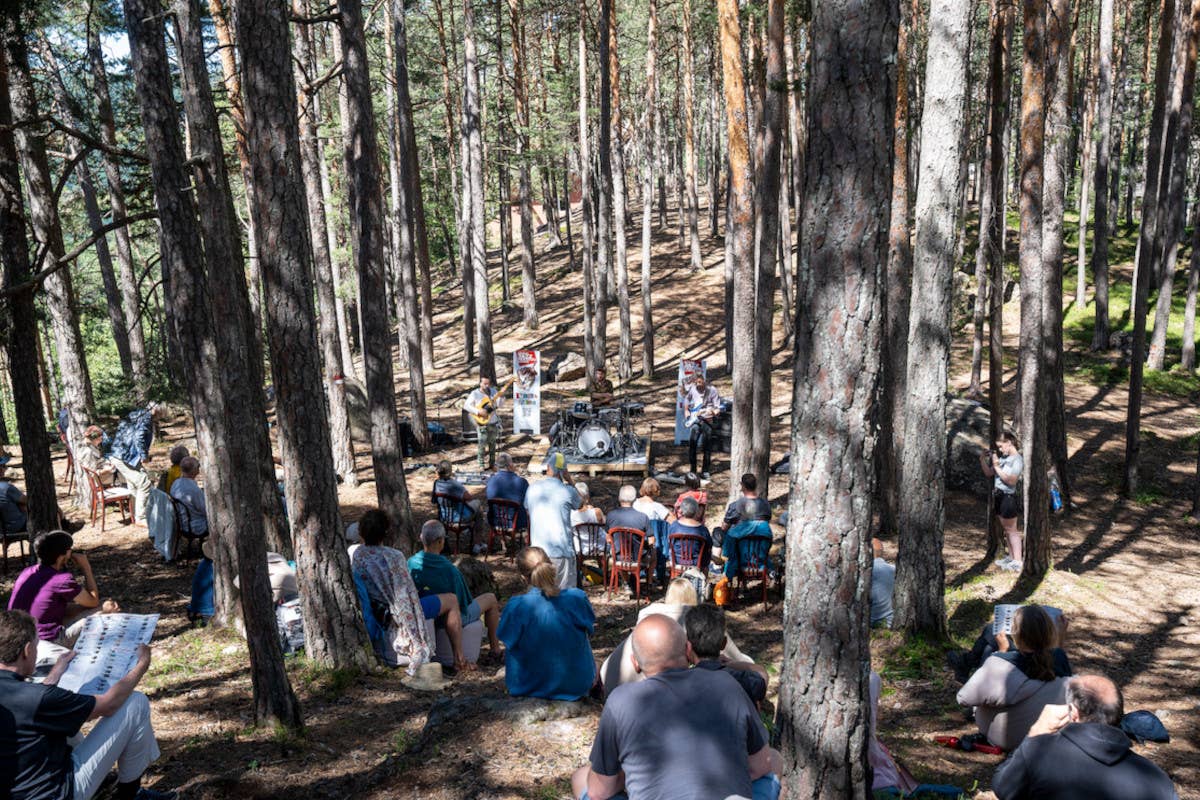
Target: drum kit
{"points": [[601, 434]]}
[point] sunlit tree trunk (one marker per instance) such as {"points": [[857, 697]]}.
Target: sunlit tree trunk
{"points": [[649, 138], [619, 210], [473, 188]]}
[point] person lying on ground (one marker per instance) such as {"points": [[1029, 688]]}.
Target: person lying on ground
{"points": [[545, 632], [52, 595], [708, 721], [1077, 751], [690, 523], [705, 626], [1013, 686], [187, 491], [434, 574], [680, 599], [883, 584], [14, 508], [393, 595], [36, 760]]}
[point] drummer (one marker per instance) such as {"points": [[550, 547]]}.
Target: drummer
{"points": [[602, 389]]}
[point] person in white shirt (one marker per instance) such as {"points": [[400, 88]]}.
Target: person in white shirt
{"points": [[187, 491], [487, 434], [704, 401]]}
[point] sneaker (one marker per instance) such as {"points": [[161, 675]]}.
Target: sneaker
{"points": [[1014, 566], [1003, 563]]}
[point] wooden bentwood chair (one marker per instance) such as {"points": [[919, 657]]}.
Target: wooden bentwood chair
{"points": [[503, 516], [626, 546], [105, 496]]}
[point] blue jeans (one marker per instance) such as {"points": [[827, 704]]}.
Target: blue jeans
{"points": [[765, 788]]}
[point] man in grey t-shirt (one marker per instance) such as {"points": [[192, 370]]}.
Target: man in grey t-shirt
{"points": [[681, 733], [549, 503]]}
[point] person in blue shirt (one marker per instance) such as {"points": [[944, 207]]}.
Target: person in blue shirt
{"points": [[546, 634], [506, 484], [129, 452]]}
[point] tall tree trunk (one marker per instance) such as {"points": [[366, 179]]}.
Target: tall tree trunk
{"points": [[848, 187], [766, 188], [604, 207], [619, 212], [47, 228], [899, 280], [920, 572], [1101, 225], [20, 320], [1143, 271], [591, 355], [1172, 211], [367, 232], [714, 151], [473, 187], [689, 137], [1085, 185], [521, 108], [310, 163], [1187, 359], [503, 179], [740, 235], [1057, 170], [130, 299], [649, 140], [212, 341], [1033, 379]]}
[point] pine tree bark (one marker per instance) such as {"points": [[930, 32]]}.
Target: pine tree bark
{"points": [[130, 299], [1145, 254], [619, 210], [1086, 167], [604, 221], [837, 355], [1173, 212], [1187, 359], [591, 355], [1034, 381], [47, 228], [216, 368], [525, 192], [308, 102], [473, 188], [20, 320], [920, 571], [649, 139], [689, 137], [367, 232]]}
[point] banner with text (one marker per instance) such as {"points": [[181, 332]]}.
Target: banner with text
{"points": [[527, 392], [688, 370]]}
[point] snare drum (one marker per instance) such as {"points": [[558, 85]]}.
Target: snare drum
{"points": [[582, 410]]}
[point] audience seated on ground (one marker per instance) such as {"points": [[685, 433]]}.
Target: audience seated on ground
{"points": [[679, 600], [187, 491], [506, 484], [754, 519], [433, 574], [691, 482], [647, 501], [1013, 686], [965, 663], [394, 600], [36, 760], [176, 454], [51, 594], [760, 509], [689, 522], [545, 632], [883, 584], [705, 626], [586, 513], [1077, 751], [680, 733]]}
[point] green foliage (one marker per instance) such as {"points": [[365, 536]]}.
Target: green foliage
{"points": [[918, 658], [322, 682]]}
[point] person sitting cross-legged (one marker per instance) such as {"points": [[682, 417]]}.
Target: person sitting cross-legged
{"points": [[49, 591], [393, 596], [654, 735], [705, 626], [434, 574], [546, 634], [35, 759], [1077, 751]]}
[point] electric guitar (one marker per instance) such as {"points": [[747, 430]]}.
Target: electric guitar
{"points": [[487, 407], [697, 413]]}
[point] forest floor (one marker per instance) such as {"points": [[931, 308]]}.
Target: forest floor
{"points": [[1125, 572]]}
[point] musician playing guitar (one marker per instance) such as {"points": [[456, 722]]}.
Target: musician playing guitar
{"points": [[483, 404], [703, 406]]}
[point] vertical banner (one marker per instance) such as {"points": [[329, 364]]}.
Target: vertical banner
{"points": [[688, 370], [527, 392]]}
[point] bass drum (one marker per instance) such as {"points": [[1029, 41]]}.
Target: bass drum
{"points": [[593, 440]]}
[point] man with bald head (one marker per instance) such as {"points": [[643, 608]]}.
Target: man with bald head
{"points": [[681, 733], [1077, 752]]}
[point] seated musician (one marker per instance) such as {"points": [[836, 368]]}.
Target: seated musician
{"points": [[703, 404], [603, 392]]}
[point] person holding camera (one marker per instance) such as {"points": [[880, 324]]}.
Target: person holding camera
{"points": [[1004, 465]]}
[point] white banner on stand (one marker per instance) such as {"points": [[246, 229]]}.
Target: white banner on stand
{"points": [[527, 392], [688, 370]]}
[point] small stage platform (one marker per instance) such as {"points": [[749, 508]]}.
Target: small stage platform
{"points": [[637, 464]]}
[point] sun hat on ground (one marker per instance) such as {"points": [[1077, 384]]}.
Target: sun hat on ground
{"points": [[429, 678]]}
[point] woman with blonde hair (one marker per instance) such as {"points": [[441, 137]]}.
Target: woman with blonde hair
{"points": [[545, 631], [586, 513]]}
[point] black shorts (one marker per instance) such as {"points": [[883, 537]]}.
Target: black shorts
{"points": [[1006, 504]]}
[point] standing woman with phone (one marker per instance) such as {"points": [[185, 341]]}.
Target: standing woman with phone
{"points": [[1004, 464]]}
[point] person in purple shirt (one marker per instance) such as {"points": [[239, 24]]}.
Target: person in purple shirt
{"points": [[506, 484], [50, 593]]}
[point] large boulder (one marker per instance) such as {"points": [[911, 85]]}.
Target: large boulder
{"points": [[566, 367], [968, 433]]}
